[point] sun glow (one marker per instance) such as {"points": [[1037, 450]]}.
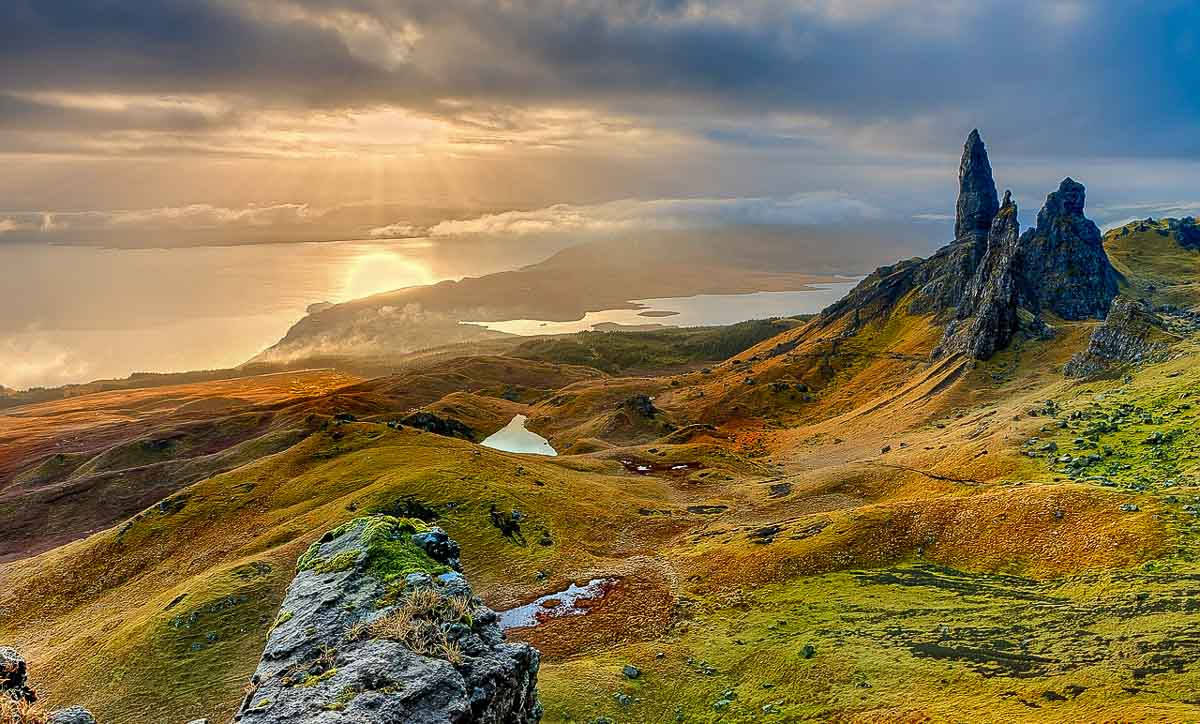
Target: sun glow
{"points": [[379, 271]]}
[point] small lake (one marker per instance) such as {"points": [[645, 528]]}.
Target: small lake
{"points": [[702, 310], [514, 438]]}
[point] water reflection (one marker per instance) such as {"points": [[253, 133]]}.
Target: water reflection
{"points": [[79, 313], [696, 311]]}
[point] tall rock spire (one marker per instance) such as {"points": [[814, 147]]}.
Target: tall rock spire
{"points": [[977, 200]]}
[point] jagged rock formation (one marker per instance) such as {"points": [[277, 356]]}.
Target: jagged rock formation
{"points": [[987, 317], [378, 626], [992, 281], [941, 280], [1187, 233], [14, 687], [1131, 334], [1064, 260], [948, 272], [978, 203]]}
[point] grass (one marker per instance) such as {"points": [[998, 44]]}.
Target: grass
{"points": [[625, 352], [418, 619], [911, 642], [797, 574], [21, 712]]}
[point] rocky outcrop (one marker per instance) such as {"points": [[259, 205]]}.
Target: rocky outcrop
{"points": [[1186, 232], [378, 626], [1131, 334], [988, 316], [446, 426], [1064, 260], [945, 276], [14, 675], [15, 689], [992, 282], [640, 405]]}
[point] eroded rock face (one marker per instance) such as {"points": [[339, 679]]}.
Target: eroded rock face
{"points": [[1064, 260], [378, 627], [977, 200], [988, 315], [1131, 334], [992, 282]]}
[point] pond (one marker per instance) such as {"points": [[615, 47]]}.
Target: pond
{"points": [[514, 438], [574, 601]]}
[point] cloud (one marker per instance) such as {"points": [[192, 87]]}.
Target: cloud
{"points": [[396, 231], [821, 207], [206, 216], [191, 216], [32, 358], [896, 74], [1116, 215]]}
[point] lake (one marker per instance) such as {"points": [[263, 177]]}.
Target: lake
{"points": [[80, 313], [701, 310], [514, 438]]}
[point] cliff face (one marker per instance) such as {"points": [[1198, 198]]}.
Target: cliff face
{"points": [[987, 316], [1064, 259], [1131, 334], [992, 282], [977, 200], [379, 626]]}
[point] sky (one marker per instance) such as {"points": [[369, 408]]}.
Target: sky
{"points": [[184, 122]]}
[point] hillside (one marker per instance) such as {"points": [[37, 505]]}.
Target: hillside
{"points": [[900, 509]]}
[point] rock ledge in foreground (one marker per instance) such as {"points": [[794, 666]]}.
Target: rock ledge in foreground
{"points": [[379, 626]]}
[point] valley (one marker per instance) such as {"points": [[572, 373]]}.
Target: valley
{"points": [[898, 509]]}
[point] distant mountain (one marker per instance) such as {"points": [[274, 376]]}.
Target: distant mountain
{"points": [[589, 277]]}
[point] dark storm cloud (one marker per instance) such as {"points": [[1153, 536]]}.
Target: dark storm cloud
{"points": [[1102, 78], [19, 113]]}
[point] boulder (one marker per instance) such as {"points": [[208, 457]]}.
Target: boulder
{"points": [[14, 676], [71, 715], [377, 626]]}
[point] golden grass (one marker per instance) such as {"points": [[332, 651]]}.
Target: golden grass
{"points": [[21, 712]]}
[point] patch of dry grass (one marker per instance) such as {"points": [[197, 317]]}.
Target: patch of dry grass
{"points": [[419, 622], [21, 712]]}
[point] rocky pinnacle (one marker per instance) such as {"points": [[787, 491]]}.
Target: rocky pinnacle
{"points": [[977, 200]]}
